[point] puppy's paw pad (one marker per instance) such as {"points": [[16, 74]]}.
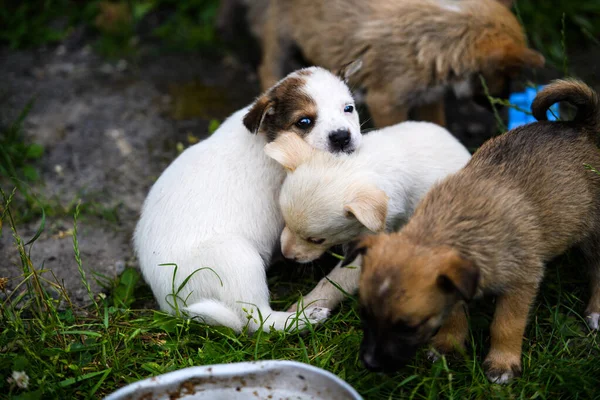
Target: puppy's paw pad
{"points": [[593, 321], [501, 376], [317, 314]]}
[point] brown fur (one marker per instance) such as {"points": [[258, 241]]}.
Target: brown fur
{"points": [[524, 198], [278, 109], [416, 48]]}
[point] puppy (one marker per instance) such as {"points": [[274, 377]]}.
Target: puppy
{"points": [[214, 213], [524, 198], [414, 50], [327, 199]]}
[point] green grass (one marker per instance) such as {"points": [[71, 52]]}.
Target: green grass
{"points": [[112, 25], [70, 352]]}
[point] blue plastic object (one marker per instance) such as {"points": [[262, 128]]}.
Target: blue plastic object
{"points": [[523, 100]]}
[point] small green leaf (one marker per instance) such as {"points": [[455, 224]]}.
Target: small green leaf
{"points": [[30, 173], [123, 293], [213, 125], [34, 151], [67, 316], [141, 9]]}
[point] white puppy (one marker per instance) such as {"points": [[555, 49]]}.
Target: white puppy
{"points": [[214, 212], [327, 200]]}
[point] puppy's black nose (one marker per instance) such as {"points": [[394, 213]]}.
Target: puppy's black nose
{"points": [[339, 139]]}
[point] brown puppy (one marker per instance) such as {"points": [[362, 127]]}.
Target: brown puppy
{"points": [[524, 198], [412, 50]]}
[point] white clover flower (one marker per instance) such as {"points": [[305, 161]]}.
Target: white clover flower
{"points": [[20, 378]]}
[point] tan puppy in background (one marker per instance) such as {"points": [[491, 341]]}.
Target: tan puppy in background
{"points": [[524, 198], [414, 50]]}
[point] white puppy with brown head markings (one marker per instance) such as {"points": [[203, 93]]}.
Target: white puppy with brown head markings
{"points": [[214, 212], [328, 199]]}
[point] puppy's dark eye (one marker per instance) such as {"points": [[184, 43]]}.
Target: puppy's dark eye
{"points": [[304, 123], [315, 240], [349, 109]]}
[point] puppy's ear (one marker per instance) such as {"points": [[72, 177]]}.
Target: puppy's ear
{"points": [[347, 70], [354, 249], [513, 56], [459, 276], [289, 150], [369, 207], [257, 113]]}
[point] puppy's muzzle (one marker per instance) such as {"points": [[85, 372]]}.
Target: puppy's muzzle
{"points": [[339, 140], [387, 359]]}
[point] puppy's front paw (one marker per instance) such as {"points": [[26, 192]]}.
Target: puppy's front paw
{"points": [[433, 355], [317, 314], [593, 320], [501, 373], [308, 303], [445, 343]]}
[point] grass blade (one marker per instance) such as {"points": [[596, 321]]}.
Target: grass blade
{"points": [[71, 381]]}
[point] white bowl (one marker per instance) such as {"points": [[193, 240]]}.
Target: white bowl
{"points": [[269, 380]]}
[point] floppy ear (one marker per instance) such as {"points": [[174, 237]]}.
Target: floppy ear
{"points": [[370, 208], [354, 249], [289, 150], [259, 110], [515, 56], [459, 276]]}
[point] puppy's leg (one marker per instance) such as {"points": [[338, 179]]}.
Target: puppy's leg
{"points": [[384, 108], [503, 362], [275, 48], [433, 112], [237, 287], [591, 250], [326, 294], [453, 334], [255, 305]]}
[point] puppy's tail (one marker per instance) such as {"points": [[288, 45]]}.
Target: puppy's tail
{"points": [[575, 92], [213, 312]]}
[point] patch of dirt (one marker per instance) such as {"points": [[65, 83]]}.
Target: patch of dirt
{"points": [[108, 129]]}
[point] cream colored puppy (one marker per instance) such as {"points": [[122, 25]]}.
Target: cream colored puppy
{"points": [[327, 199]]}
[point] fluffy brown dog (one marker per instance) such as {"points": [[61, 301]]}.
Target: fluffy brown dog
{"points": [[524, 198], [412, 50]]}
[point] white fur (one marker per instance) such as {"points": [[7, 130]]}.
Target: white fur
{"points": [[403, 160], [593, 321], [216, 207], [324, 91]]}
